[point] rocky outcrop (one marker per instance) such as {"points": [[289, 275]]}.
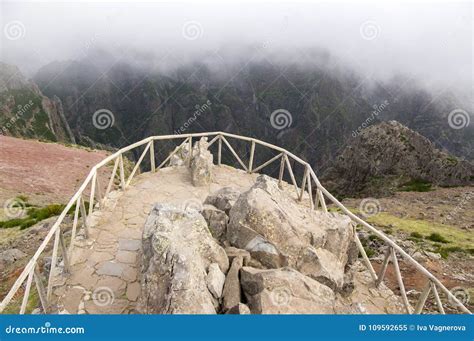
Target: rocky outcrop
{"points": [[26, 112], [384, 157], [201, 163], [180, 155], [278, 231], [179, 263], [285, 291]]}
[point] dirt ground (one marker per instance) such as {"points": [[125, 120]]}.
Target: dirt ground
{"points": [[44, 172]]}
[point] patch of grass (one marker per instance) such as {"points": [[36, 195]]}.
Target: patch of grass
{"points": [[416, 186], [456, 237], [33, 216], [436, 237], [369, 252], [416, 235]]}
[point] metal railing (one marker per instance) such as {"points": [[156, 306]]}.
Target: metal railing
{"points": [[309, 181]]}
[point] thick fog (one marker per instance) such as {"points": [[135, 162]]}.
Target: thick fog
{"points": [[430, 41]]}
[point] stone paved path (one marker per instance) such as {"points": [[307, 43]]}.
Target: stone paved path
{"points": [[104, 275]]}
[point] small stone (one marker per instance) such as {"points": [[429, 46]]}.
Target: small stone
{"points": [[239, 309], [215, 280], [126, 257], [129, 244], [133, 291], [110, 269]]}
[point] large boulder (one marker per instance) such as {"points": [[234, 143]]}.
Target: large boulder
{"points": [[285, 291], [178, 251], [278, 231], [201, 163], [180, 155]]}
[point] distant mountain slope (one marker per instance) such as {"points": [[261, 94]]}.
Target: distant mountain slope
{"points": [[387, 156], [26, 112], [327, 105]]}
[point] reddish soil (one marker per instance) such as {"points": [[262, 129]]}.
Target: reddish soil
{"points": [[50, 171]]}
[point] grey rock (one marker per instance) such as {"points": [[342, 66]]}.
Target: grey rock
{"points": [[231, 294], [285, 291], [278, 231], [177, 250], [215, 280], [216, 220], [110, 269], [223, 199], [201, 164], [239, 309], [129, 244], [12, 255], [233, 252]]}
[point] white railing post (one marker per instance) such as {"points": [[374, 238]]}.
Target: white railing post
{"points": [[252, 155], [152, 156]]}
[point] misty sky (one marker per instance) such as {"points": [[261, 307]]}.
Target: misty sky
{"points": [[430, 40]]}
